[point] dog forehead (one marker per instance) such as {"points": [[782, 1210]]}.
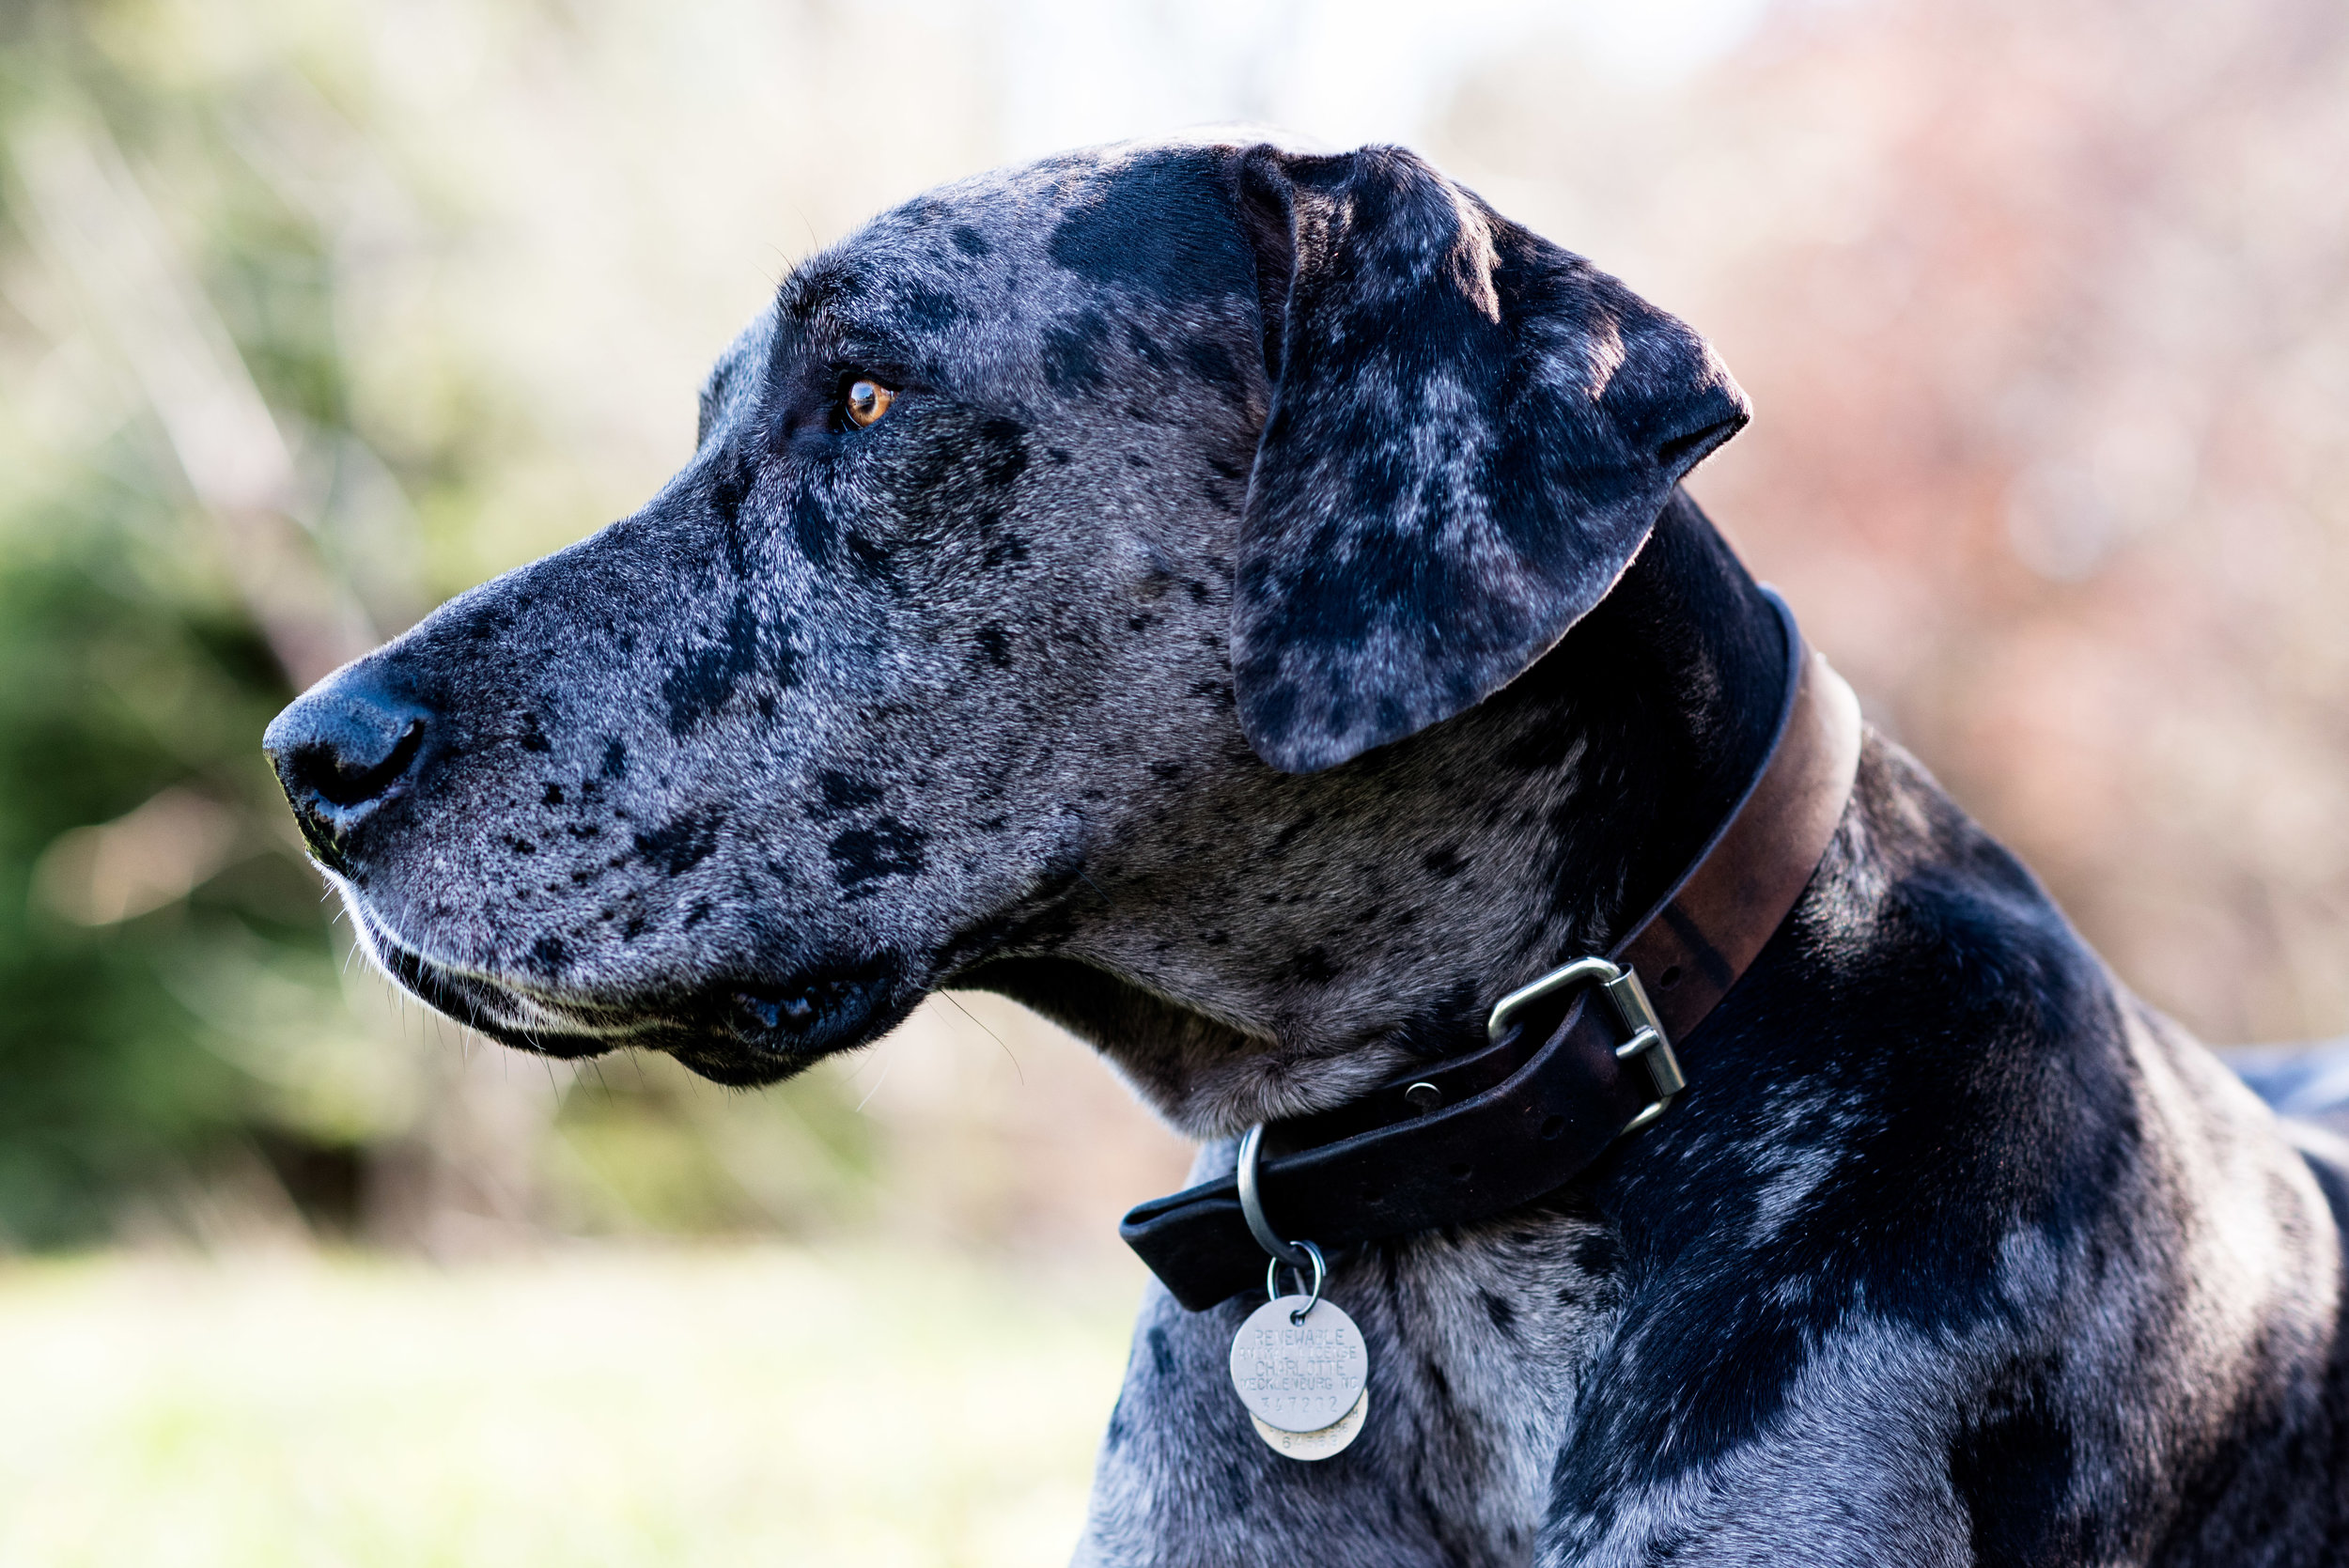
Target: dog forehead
{"points": [[1151, 225], [1012, 278]]}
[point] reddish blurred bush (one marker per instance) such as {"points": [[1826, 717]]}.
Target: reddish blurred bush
{"points": [[2044, 311]]}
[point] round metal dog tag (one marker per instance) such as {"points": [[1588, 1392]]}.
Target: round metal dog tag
{"points": [[1316, 1445], [1300, 1376]]}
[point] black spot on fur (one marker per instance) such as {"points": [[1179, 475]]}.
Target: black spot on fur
{"points": [[1597, 1253], [553, 795], [614, 759], [1314, 967], [1212, 362], [1289, 835], [812, 531], [869, 558], [1238, 1493], [532, 739], [681, 845], [838, 793], [548, 954], [1072, 354], [995, 642], [1444, 860], [1147, 348], [1163, 227], [1503, 1316], [930, 309], [969, 242], [782, 665], [2012, 1466], [709, 675], [887, 849], [730, 483]]}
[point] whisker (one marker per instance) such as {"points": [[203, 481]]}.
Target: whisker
{"points": [[991, 1034], [887, 1061]]}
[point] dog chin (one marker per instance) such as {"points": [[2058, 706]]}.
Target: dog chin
{"points": [[739, 1032]]}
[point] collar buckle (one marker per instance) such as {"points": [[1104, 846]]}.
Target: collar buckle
{"points": [[1628, 1000]]}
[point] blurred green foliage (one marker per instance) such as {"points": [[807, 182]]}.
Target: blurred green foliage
{"points": [[177, 1015], [129, 666], [116, 681]]}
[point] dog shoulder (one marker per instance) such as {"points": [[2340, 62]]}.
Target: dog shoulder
{"points": [[1938, 1296]]}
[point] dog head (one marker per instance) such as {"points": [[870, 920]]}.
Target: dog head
{"points": [[1043, 540]]}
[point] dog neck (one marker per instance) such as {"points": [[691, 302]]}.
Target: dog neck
{"points": [[1275, 945]]}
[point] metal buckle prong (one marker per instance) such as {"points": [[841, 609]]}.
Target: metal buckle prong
{"points": [[1632, 1009]]}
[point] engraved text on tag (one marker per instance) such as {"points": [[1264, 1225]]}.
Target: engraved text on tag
{"points": [[1304, 1375]]}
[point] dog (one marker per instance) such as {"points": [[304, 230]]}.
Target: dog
{"points": [[1241, 604]]}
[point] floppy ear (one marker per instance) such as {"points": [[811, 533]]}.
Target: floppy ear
{"points": [[1470, 433]]}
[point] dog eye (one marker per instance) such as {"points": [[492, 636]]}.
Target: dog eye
{"points": [[867, 400]]}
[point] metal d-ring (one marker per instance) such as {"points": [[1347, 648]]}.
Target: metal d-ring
{"points": [[1297, 1254]]}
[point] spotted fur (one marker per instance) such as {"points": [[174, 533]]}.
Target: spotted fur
{"points": [[1264, 630]]}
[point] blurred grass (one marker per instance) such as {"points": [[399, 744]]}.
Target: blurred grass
{"points": [[595, 1407]]}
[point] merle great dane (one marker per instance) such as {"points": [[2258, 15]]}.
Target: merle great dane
{"points": [[1241, 603]]}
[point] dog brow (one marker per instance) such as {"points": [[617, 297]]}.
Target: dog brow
{"points": [[818, 287]]}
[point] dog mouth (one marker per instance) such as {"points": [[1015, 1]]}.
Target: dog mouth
{"points": [[739, 1031]]}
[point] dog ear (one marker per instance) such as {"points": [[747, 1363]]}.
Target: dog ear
{"points": [[1470, 433]]}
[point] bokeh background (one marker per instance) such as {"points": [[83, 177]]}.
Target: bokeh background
{"points": [[314, 312]]}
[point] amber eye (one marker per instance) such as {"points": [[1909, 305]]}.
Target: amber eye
{"points": [[868, 401]]}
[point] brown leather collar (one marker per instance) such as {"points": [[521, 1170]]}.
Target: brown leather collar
{"points": [[1480, 1134]]}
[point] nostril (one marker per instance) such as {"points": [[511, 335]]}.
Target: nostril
{"points": [[343, 746], [344, 775]]}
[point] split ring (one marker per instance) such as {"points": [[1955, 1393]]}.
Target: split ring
{"points": [[1312, 1297]]}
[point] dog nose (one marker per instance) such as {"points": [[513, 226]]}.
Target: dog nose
{"points": [[341, 750]]}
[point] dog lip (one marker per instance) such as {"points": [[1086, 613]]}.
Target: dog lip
{"points": [[800, 1019], [468, 1001], [738, 1031]]}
